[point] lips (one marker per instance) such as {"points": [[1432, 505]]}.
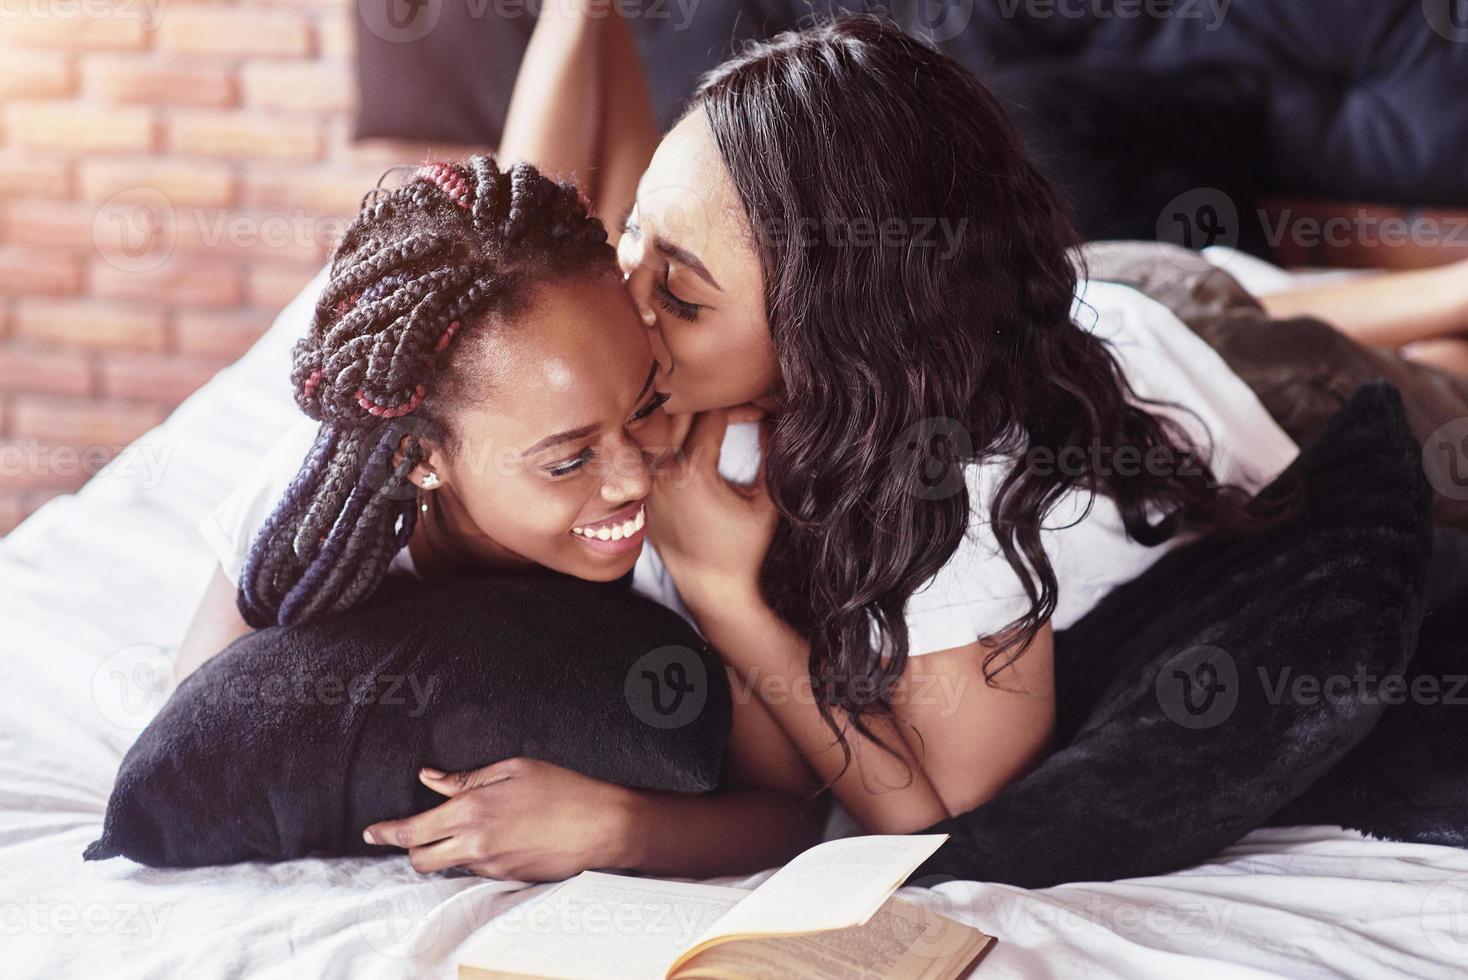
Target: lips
{"points": [[625, 525]]}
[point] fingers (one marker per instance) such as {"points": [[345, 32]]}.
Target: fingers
{"points": [[453, 783], [705, 440], [425, 828]]}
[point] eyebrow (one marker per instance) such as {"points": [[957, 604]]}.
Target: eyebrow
{"points": [[684, 257], [570, 435]]}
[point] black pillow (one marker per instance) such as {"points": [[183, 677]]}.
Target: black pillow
{"points": [[1177, 735], [293, 739]]}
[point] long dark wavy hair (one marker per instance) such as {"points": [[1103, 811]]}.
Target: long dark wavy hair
{"points": [[915, 332], [394, 347]]}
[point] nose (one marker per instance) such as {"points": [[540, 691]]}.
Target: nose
{"points": [[626, 477]]}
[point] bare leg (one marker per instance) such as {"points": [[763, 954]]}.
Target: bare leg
{"points": [[580, 107], [1388, 310]]}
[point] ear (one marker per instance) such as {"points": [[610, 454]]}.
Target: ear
{"points": [[426, 465]]}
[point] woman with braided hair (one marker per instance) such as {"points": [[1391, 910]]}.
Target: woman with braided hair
{"points": [[479, 393]]}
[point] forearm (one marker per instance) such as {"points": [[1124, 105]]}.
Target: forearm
{"points": [[730, 832], [1387, 310], [883, 791]]}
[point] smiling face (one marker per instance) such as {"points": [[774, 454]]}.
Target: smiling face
{"points": [[693, 272], [550, 467]]}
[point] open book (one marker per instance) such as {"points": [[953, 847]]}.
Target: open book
{"points": [[828, 913]]}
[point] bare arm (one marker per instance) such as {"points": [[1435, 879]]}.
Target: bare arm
{"points": [[216, 624], [1388, 310], [580, 107], [958, 739]]}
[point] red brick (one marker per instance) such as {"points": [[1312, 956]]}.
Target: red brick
{"points": [[38, 272], [245, 134], [178, 281], [34, 74], [322, 86], [49, 370], [121, 27], [90, 323], [29, 175], [331, 191], [183, 182], [336, 37], [86, 424], [272, 286], [78, 127], [158, 80], [234, 31], [159, 378], [223, 334], [28, 467], [55, 223]]}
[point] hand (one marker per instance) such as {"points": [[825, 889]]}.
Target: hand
{"points": [[520, 819], [710, 533]]}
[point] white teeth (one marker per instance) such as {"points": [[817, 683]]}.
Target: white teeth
{"points": [[615, 532]]}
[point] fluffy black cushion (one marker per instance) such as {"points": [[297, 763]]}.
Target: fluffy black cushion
{"points": [[293, 739], [1181, 723]]}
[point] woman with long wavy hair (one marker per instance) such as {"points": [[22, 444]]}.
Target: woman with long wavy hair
{"points": [[917, 442]]}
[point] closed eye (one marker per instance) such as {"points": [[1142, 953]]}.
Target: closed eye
{"points": [[573, 464], [653, 404], [673, 304]]}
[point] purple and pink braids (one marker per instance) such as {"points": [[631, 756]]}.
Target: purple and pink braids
{"points": [[420, 266]]}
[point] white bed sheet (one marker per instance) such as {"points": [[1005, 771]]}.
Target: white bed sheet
{"points": [[97, 588]]}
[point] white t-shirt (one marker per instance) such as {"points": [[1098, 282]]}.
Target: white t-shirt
{"points": [[976, 593]]}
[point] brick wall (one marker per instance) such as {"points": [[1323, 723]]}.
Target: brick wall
{"points": [[171, 173]]}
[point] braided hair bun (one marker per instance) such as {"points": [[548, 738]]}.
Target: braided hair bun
{"points": [[419, 267]]}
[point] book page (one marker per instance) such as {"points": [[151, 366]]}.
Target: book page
{"points": [[902, 941], [831, 886], [600, 927]]}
